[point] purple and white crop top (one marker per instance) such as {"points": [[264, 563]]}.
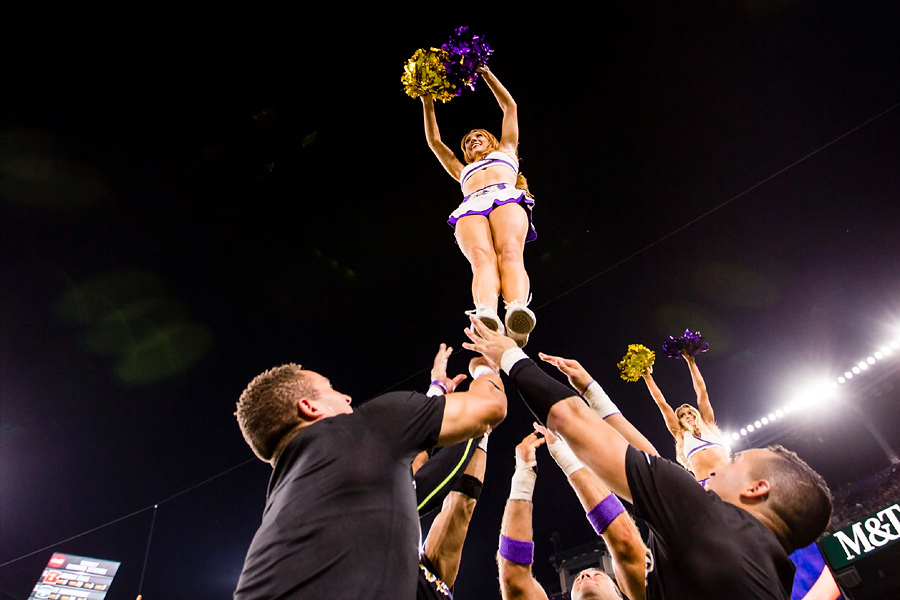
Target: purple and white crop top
{"points": [[691, 444], [490, 160]]}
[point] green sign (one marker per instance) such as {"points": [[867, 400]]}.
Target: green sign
{"points": [[859, 539]]}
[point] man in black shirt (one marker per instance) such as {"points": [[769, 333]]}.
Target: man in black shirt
{"points": [[340, 519], [729, 541]]}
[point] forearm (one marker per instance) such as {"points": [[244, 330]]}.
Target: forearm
{"points": [[618, 530], [629, 556], [516, 579], [703, 404], [601, 404], [445, 540], [667, 413], [504, 98], [447, 535], [824, 588], [631, 434], [588, 487], [432, 133], [594, 442]]}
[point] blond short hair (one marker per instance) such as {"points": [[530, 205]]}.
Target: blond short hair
{"points": [[267, 409]]}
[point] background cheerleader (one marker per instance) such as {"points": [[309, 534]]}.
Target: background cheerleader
{"points": [[698, 441]]}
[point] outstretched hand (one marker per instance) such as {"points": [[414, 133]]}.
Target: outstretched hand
{"points": [[548, 435], [526, 451], [579, 378], [486, 342], [439, 370]]}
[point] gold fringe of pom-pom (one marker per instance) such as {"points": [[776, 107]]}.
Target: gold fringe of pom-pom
{"points": [[637, 360], [424, 74]]}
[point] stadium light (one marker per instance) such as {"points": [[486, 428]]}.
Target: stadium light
{"points": [[815, 394]]}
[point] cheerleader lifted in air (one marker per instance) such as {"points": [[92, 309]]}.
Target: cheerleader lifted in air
{"points": [[493, 222]]}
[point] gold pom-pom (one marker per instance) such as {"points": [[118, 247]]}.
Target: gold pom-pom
{"points": [[424, 73], [637, 360]]}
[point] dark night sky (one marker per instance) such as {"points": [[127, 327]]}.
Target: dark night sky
{"points": [[189, 200]]}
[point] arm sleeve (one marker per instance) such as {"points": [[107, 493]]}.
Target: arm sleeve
{"points": [[408, 421], [435, 479]]}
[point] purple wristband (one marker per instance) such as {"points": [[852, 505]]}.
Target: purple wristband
{"points": [[605, 513], [441, 385], [516, 551]]}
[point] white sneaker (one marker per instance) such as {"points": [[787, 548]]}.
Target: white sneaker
{"points": [[520, 321], [519, 318], [520, 338], [489, 317]]}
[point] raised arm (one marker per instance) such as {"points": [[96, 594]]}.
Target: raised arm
{"points": [[599, 401], [516, 535], [433, 136], [509, 137], [595, 443], [608, 517], [666, 410], [475, 412], [444, 543], [706, 411]]}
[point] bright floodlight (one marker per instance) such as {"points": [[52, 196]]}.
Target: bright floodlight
{"points": [[779, 412], [743, 431], [841, 380], [735, 437], [757, 424], [765, 421], [870, 360], [863, 365], [894, 344], [788, 408], [772, 416], [750, 427], [879, 355], [856, 370]]}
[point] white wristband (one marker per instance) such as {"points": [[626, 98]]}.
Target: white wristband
{"points": [[564, 457], [511, 357], [599, 402], [522, 485], [482, 370], [484, 441], [434, 390]]}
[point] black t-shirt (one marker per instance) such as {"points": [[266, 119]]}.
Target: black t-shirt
{"points": [[702, 546], [340, 520]]}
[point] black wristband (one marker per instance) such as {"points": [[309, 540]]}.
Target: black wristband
{"points": [[469, 485], [539, 390]]}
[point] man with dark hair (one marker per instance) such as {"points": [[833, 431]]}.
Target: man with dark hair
{"points": [[729, 540], [340, 519]]}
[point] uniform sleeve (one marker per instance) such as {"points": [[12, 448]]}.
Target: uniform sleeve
{"points": [[408, 421], [666, 496], [435, 479]]}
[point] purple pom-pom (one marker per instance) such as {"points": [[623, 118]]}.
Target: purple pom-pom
{"points": [[693, 343], [467, 52], [690, 343], [672, 347]]}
